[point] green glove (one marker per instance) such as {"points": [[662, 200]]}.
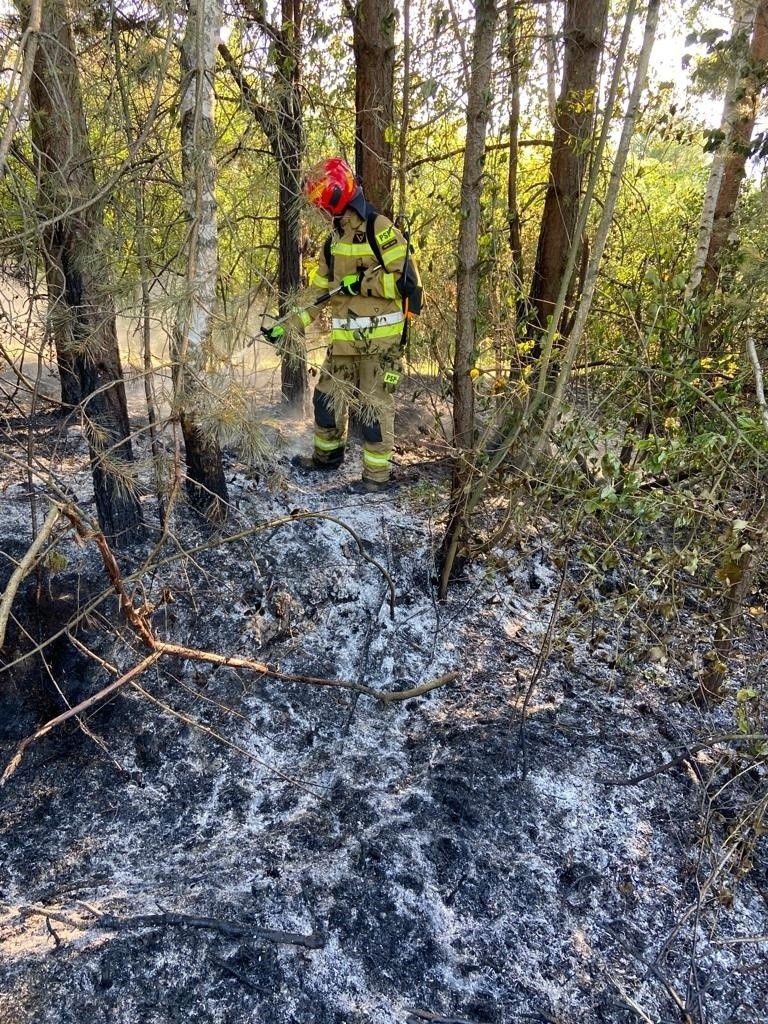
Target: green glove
{"points": [[350, 285], [273, 334]]}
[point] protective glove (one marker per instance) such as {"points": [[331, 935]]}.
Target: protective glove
{"points": [[274, 334], [350, 285]]}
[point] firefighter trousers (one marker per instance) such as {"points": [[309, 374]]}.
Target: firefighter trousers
{"points": [[366, 384]]}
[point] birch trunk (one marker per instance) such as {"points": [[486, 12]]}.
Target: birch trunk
{"points": [[742, 22], [206, 486]]}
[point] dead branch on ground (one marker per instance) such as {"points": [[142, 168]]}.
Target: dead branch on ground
{"points": [[138, 618], [25, 566], [314, 940]]}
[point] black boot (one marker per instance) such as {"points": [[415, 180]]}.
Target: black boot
{"points": [[309, 464], [373, 486]]}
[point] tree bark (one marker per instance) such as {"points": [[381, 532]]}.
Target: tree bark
{"points": [[606, 217], [289, 155], [551, 51], [373, 42], [585, 22], [513, 16], [478, 113], [739, 117], [81, 308], [405, 121], [27, 50], [283, 127], [206, 486]]}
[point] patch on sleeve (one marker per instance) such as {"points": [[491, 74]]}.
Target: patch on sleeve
{"points": [[386, 238]]}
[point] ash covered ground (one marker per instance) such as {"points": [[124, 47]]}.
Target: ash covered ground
{"points": [[221, 846]]}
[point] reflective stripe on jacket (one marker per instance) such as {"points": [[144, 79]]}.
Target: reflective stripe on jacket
{"points": [[376, 315]]}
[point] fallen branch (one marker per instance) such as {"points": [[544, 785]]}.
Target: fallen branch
{"points": [[686, 755], [315, 940], [13, 764], [139, 620], [416, 1016], [24, 566]]}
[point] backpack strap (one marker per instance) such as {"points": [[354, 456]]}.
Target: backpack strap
{"points": [[328, 255], [370, 232]]}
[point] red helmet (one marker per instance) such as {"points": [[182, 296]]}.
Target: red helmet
{"points": [[330, 185]]}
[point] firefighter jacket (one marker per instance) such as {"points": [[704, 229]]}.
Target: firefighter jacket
{"points": [[371, 322]]}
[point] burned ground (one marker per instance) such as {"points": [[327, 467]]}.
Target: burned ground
{"points": [[442, 858]]}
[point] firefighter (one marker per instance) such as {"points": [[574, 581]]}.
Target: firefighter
{"points": [[368, 257]]}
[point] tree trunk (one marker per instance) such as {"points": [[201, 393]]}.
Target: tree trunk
{"points": [[283, 127], [405, 121], [739, 117], [373, 41], [551, 51], [206, 486], [81, 306], [584, 27], [513, 217], [290, 150], [606, 217], [473, 489], [478, 112]]}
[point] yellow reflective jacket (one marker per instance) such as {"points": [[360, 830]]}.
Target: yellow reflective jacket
{"points": [[373, 320]]}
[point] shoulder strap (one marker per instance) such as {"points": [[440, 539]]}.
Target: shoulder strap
{"points": [[328, 254], [370, 231]]}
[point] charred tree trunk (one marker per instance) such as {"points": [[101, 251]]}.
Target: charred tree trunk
{"points": [[585, 22], [206, 486], [467, 275], [81, 306], [283, 127], [373, 27], [289, 142]]}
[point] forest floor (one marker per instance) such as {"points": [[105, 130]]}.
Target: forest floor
{"points": [[538, 839]]}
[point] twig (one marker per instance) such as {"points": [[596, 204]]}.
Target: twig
{"points": [[54, 916], [659, 770], [415, 1016], [208, 731], [13, 764], [759, 388], [52, 931], [541, 661], [629, 1002], [239, 975], [655, 970], [24, 567], [685, 756], [315, 940], [139, 620]]}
